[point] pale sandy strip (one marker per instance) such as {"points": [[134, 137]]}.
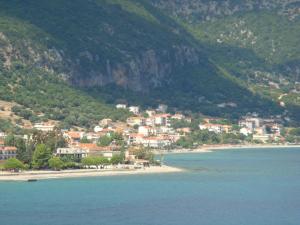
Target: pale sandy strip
{"points": [[40, 175]]}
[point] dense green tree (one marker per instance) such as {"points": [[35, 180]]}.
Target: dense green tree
{"points": [[144, 153], [104, 141], [295, 132], [56, 163], [85, 140], [89, 161], [13, 163], [117, 159], [41, 156]]}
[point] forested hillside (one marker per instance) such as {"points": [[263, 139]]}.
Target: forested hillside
{"points": [[83, 55]]}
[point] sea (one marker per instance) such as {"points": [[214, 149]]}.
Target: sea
{"points": [[230, 187]]}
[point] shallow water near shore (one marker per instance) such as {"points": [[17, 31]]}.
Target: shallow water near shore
{"points": [[232, 187]]}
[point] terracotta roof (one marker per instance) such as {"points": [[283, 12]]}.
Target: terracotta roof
{"points": [[73, 134], [87, 145], [9, 148]]}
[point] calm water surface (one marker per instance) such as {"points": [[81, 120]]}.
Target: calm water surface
{"points": [[236, 187]]}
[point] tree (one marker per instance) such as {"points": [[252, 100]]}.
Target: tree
{"points": [[13, 163], [85, 140], [116, 159], [41, 156], [10, 140], [104, 141], [56, 163], [88, 161], [101, 161], [144, 153], [295, 132]]}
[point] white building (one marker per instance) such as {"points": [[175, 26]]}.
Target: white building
{"points": [[250, 122], [134, 109], [146, 130], [78, 153], [2, 135], [121, 106], [150, 113], [246, 131], [162, 120], [98, 129], [155, 142], [45, 127], [216, 128], [263, 138]]}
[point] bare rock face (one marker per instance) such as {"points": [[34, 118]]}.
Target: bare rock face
{"points": [[140, 73]]}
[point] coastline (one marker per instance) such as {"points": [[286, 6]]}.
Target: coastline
{"points": [[47, 175], [212, 148]]}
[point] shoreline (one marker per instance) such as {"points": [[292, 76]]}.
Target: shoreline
{"points": [[212, 148], [49, 175]]}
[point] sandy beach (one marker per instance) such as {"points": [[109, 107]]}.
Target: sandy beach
{"points": [[42, 175], [212, 148]]}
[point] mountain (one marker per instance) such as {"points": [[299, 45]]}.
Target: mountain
{"points": [[193, 55], [256, 41]]}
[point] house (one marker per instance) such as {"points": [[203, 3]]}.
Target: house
{"points": [[150, 121], [73, 136], [155, 142], [184, 130], [95, 150], [134, 109], [139, 121], [91, 136], [45, 127], [150, 112], [105, 122], [98, 129], [276, 129], [165, 130], [262, 138], [76, 152], [2, 135], [246, 131], [216, 128], [178, 116], [162, 119], [250, 122], [121, 106], [8, 152], [134, 139], [260, 130], [146, 130]]}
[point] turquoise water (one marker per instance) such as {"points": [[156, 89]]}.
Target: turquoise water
{"points": [[236, 187]]}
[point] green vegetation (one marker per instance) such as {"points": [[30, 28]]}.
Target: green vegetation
{"points": [[89, 42], [41, 157], [145, 154], [117, 159], [117, 138], [57, 72], [56, 163], [13, 164], [197, 138], [44, 94], [94, 161]]}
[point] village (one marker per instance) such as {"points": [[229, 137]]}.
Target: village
{"points": [[152, 129]]}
